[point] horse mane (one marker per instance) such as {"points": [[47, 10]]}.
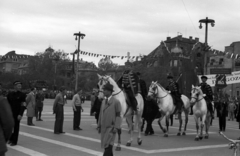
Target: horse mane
{"points": [[109, 78], [161, 87]]}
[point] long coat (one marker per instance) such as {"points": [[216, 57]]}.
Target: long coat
{"points": [[109, 119], [31, 103]]}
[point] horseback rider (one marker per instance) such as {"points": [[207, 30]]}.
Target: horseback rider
{"points": [[129, 82], [207, 90], [173, 87], [142, 86]]}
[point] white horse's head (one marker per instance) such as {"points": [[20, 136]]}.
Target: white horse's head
{"points": [[104, 80], [196, 93], [152, 91]]}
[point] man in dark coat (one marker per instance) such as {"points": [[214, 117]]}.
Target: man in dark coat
{"points": [[173, 87], [17, 100], [142, 86], [129, 82], [221, 107], [238, 115], [6, 124], [96, 106], [39, 105], [207, 90]]}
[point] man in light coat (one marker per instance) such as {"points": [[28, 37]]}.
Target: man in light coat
{"points": [[31, 103], [77, 109], [109, 120]]}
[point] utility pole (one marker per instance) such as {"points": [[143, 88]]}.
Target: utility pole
{"points": [[77, 37], [206, 22]]}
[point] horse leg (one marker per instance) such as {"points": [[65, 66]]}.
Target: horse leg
{"points": [[151, 131], [118, 148], [207, 126], [160, 125], [167, 125], [202, 126], [186, 122], [143, 123], [197, 128], [180, 124], [130, 124], [139, 122]]}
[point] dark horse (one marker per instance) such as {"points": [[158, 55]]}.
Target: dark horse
{"points": [[150, 113]]}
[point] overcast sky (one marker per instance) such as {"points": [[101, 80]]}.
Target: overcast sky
{"points": [[112, 27]]}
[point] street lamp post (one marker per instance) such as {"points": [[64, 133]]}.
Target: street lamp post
{"points": [[206, 22], [78, 36]]}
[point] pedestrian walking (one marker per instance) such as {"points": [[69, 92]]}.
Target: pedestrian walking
{"points": [[58, 110], [77, 109], [96, 106], [221, 107], [6, 124], [231, 109], [31, 103], [109, 120], [238, 116], [17, 101], [39, 105]]}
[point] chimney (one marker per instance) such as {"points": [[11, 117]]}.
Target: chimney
{"points": [[168, 38], [190, 37], [196, 39]]}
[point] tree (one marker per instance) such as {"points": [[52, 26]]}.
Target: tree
{"points": [[106, 64]]}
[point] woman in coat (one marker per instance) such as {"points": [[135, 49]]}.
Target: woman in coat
{"points": [[31, 103]]}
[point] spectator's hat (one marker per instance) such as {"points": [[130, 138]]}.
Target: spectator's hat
{"points": [[108, 87], [62, 88], [204, 77], [16, 83], [169, 77]]}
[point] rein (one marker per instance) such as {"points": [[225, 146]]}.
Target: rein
{"points": [[196, 99], [157, 93]]}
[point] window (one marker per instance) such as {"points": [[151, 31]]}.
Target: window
{"points": [[221, 61], [199, 55], [175, 63]]}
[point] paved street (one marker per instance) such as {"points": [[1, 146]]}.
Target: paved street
{"points": [[40, 140]]}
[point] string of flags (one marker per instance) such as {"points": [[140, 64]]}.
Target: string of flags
{"points": [[206, 48]]}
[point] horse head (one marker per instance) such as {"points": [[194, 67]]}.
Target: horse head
{"points": [[102, 81], [196, 94], [152, 91]]}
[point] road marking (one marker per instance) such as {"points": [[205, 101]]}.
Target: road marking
{"points": [[78, 148], [134, 148], [187, 148], [26, 151], [64, 120]]}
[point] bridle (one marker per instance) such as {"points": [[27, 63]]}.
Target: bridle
{"points": [[106, 81], [155, 94], [196, 98]]}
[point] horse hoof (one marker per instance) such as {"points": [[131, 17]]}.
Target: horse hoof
{"points": [[183, 133], [178, 134], [118, 149], [164, 130], [140, 142], [165, 135], [128, 144], [206, 137], [196, 139], [200, 137], [151, 133]]}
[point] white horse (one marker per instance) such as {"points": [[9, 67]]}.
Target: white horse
{"points": [[126, 112], [166, 106], [200, 112]]}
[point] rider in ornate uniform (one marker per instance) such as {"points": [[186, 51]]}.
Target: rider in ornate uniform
{"points": [[129, 82], [206, 89], [173, 87]]}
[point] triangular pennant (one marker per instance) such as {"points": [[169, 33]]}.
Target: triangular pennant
{"points": [[122, 57], [236, 56]]}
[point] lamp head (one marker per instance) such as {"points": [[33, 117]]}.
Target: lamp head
{"points": [[212, 24], [200, 26], [76, 38]]}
